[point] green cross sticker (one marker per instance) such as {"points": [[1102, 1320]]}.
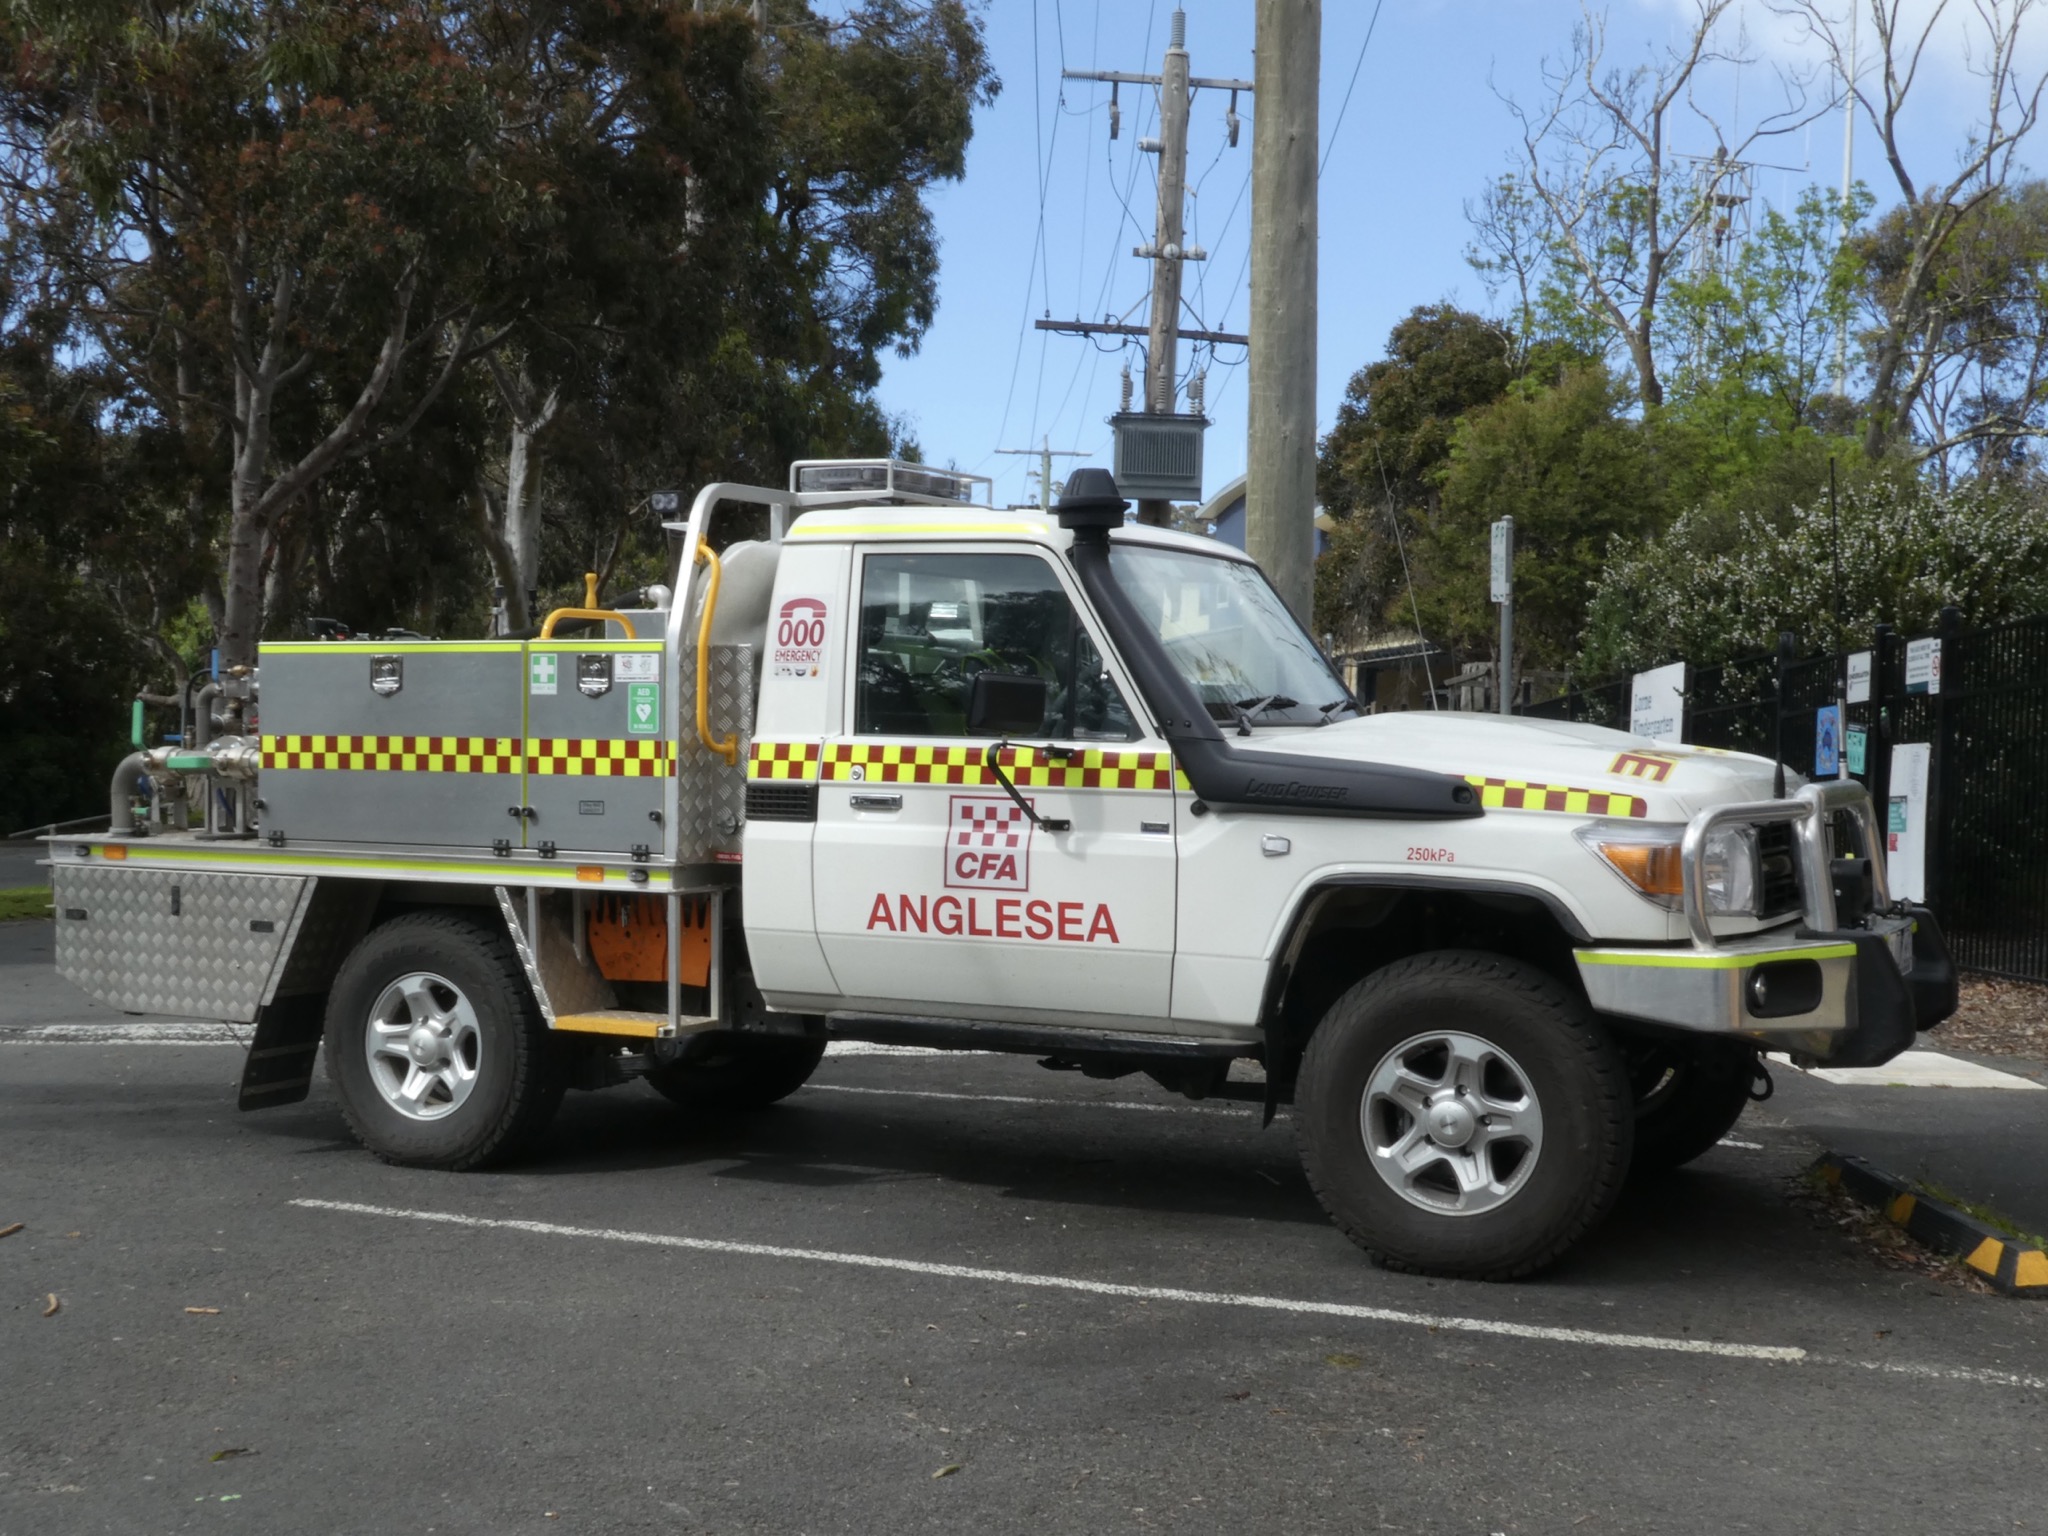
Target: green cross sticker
{"points": [[643, 709]]}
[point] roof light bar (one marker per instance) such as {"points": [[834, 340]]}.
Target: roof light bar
{"points": [[889, 480]]}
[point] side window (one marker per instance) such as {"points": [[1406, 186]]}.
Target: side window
{"points": [[930, 623]]}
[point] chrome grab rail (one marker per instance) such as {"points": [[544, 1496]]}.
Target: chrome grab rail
{"points": [[1809, 812]]}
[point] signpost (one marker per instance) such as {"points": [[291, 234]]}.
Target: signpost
{"points": [[1504, 594], [1657, 703]]}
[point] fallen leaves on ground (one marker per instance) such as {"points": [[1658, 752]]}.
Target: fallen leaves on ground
{"points": [[9, 1231], [54, 1307], [1871, 1233], [1999, 1018], [946, 1471], [230, 1453], [203, 1311]]}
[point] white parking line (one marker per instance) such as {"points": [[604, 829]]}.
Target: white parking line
{"points": [[1773, 1354]]}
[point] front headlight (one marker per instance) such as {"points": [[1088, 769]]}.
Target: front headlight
{"points": [[1646, 855], [1728, 868]]}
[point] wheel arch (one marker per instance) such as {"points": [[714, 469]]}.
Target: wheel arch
{"points": [[1345, 927]]}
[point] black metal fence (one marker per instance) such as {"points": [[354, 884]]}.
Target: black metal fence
{"points": [[1983, 715]]}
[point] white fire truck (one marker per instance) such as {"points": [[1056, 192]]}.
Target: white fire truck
{"points": [[893, 766]]}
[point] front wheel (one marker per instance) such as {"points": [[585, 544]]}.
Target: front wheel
{"points": [[1462, 1114], [1688, 1096], [435, 1046]]}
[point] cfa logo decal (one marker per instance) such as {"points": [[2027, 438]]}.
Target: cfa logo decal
{"points": [[988, 845]]}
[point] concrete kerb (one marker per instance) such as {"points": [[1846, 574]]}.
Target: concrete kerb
{"points": [[2012, 1267]]}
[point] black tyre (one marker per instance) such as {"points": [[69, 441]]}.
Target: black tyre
{"points": [[1462, 1114], [436, 1047], [727, 1072], [1688, 1096]]}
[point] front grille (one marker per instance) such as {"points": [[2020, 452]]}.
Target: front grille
{"points": [[779, 800], [1778, 868]]}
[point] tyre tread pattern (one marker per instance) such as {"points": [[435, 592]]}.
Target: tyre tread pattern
{"points": [[1538, 991], [538, 1079]]}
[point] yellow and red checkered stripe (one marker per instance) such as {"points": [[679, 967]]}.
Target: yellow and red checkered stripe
{"points": [[395, 754], [1520, 795], [783, 760], [629, 758], [1090, 768]]}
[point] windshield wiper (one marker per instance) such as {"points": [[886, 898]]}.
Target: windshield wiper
{"points": [[1327, 710], [1244, 709]]}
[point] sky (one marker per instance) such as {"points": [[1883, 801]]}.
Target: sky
{"points": [[1050, 207]]}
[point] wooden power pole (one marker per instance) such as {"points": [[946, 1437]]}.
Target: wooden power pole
{"points": [[1280, 481], [1166, 250]]}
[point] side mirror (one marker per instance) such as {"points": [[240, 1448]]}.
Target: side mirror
{"points": [[1005, 704]]}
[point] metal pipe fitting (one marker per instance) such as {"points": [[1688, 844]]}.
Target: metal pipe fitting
{"points": [[121, 796]]}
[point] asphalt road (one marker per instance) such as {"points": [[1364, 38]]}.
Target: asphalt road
{"points": [[664, 1326]]}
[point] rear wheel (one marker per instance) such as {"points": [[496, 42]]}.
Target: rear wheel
{"points": [[1688, 1096], [435, 1046], [735, 1072], [1462, 1114]]}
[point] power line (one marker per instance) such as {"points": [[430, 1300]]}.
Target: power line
{"points": [[1355, 68], [1038, 246]]}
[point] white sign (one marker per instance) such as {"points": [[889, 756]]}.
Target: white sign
{"points": [[540, 672], [797, 644], [1657, 703], [1503, 559], [637, 667], [1923, 666], [1905, 837], [1859, 677]]}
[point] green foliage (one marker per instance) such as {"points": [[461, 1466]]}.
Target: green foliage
{"points": [[1379, 467], [1575, 474], [693, 236], [1714, 587], [1395, 425]]}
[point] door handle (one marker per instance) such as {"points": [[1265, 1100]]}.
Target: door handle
{"points": [[875, 802]]}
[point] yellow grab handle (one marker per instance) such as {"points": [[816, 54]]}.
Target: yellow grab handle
{"points": [[547, 629], [729, 749]]}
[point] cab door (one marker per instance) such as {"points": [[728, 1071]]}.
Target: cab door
{"points": [[935, 890]]}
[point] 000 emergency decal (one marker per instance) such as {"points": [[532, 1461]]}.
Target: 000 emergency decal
{"points": [[799, 639]]}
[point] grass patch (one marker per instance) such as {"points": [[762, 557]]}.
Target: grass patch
{"points": [[24, 901], [1983, 1213]]}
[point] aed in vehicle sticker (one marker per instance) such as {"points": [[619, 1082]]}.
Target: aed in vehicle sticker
{"points": [[799, 639], [1521, 795]]}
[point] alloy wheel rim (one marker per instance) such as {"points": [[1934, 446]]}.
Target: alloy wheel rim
{"points": [[1451, 1123], [424, 1046]]}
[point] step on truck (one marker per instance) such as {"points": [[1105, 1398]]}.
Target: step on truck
{"points": [[886, 764]]}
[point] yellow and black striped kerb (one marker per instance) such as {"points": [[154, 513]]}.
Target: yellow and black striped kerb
{"points": [[395, 754], [1028, 768], [783, 760], [2016, 1268], [1520, 795], [616, 758]]}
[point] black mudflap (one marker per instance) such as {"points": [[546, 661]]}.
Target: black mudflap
{"points": [[280, 1065]]}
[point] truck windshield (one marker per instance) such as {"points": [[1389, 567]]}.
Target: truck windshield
{"points": [[1231, 637]]}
